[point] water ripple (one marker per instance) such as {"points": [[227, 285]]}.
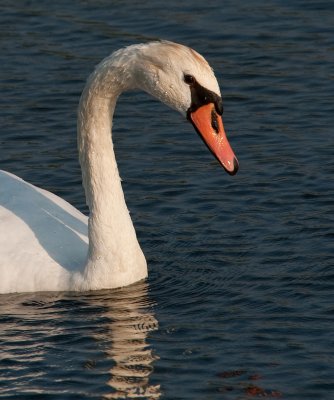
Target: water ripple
{"points": [[240, 268], [97, 334]]}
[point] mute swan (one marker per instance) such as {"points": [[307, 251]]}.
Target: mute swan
{"points": [[48, 245]]}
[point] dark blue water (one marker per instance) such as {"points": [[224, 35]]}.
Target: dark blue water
{"points": [[239, 299]]}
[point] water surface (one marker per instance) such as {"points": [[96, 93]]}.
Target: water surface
{"points": [[239, 300]]}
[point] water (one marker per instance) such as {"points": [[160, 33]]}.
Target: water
{"points": [[239, 300]]}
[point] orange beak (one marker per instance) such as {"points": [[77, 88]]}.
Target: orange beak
{"points": [[210, 126]]}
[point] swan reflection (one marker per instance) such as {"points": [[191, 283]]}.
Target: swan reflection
{"points": [[131, 319], [52, 344]]}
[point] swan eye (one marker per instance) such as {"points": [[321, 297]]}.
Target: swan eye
{"points": [[189, 79]]}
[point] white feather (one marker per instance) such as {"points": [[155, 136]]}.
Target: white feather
{"points": [[48, 245]]}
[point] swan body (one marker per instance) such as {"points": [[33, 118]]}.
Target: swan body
{"points": [[48, 245]]}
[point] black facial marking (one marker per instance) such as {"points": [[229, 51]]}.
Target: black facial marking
{"points": [[219, 106], [214, 121], [201, 96]]}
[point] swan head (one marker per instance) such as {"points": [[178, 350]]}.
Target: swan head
{"points": [[181, 78]]}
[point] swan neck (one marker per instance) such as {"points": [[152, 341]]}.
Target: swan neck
{"points": [[113, 243]]}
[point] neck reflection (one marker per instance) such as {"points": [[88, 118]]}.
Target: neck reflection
{"points": [[129, 311]]}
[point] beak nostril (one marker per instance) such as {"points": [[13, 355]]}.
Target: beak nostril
{"points": [[214, 121]]}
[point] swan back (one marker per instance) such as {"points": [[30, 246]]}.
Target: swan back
{"points": [[43, 239]]}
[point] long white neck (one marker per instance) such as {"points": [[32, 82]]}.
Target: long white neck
{"points": [[114, 258]]}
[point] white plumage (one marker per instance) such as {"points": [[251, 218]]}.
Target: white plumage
{"points": [[45, 243]]}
